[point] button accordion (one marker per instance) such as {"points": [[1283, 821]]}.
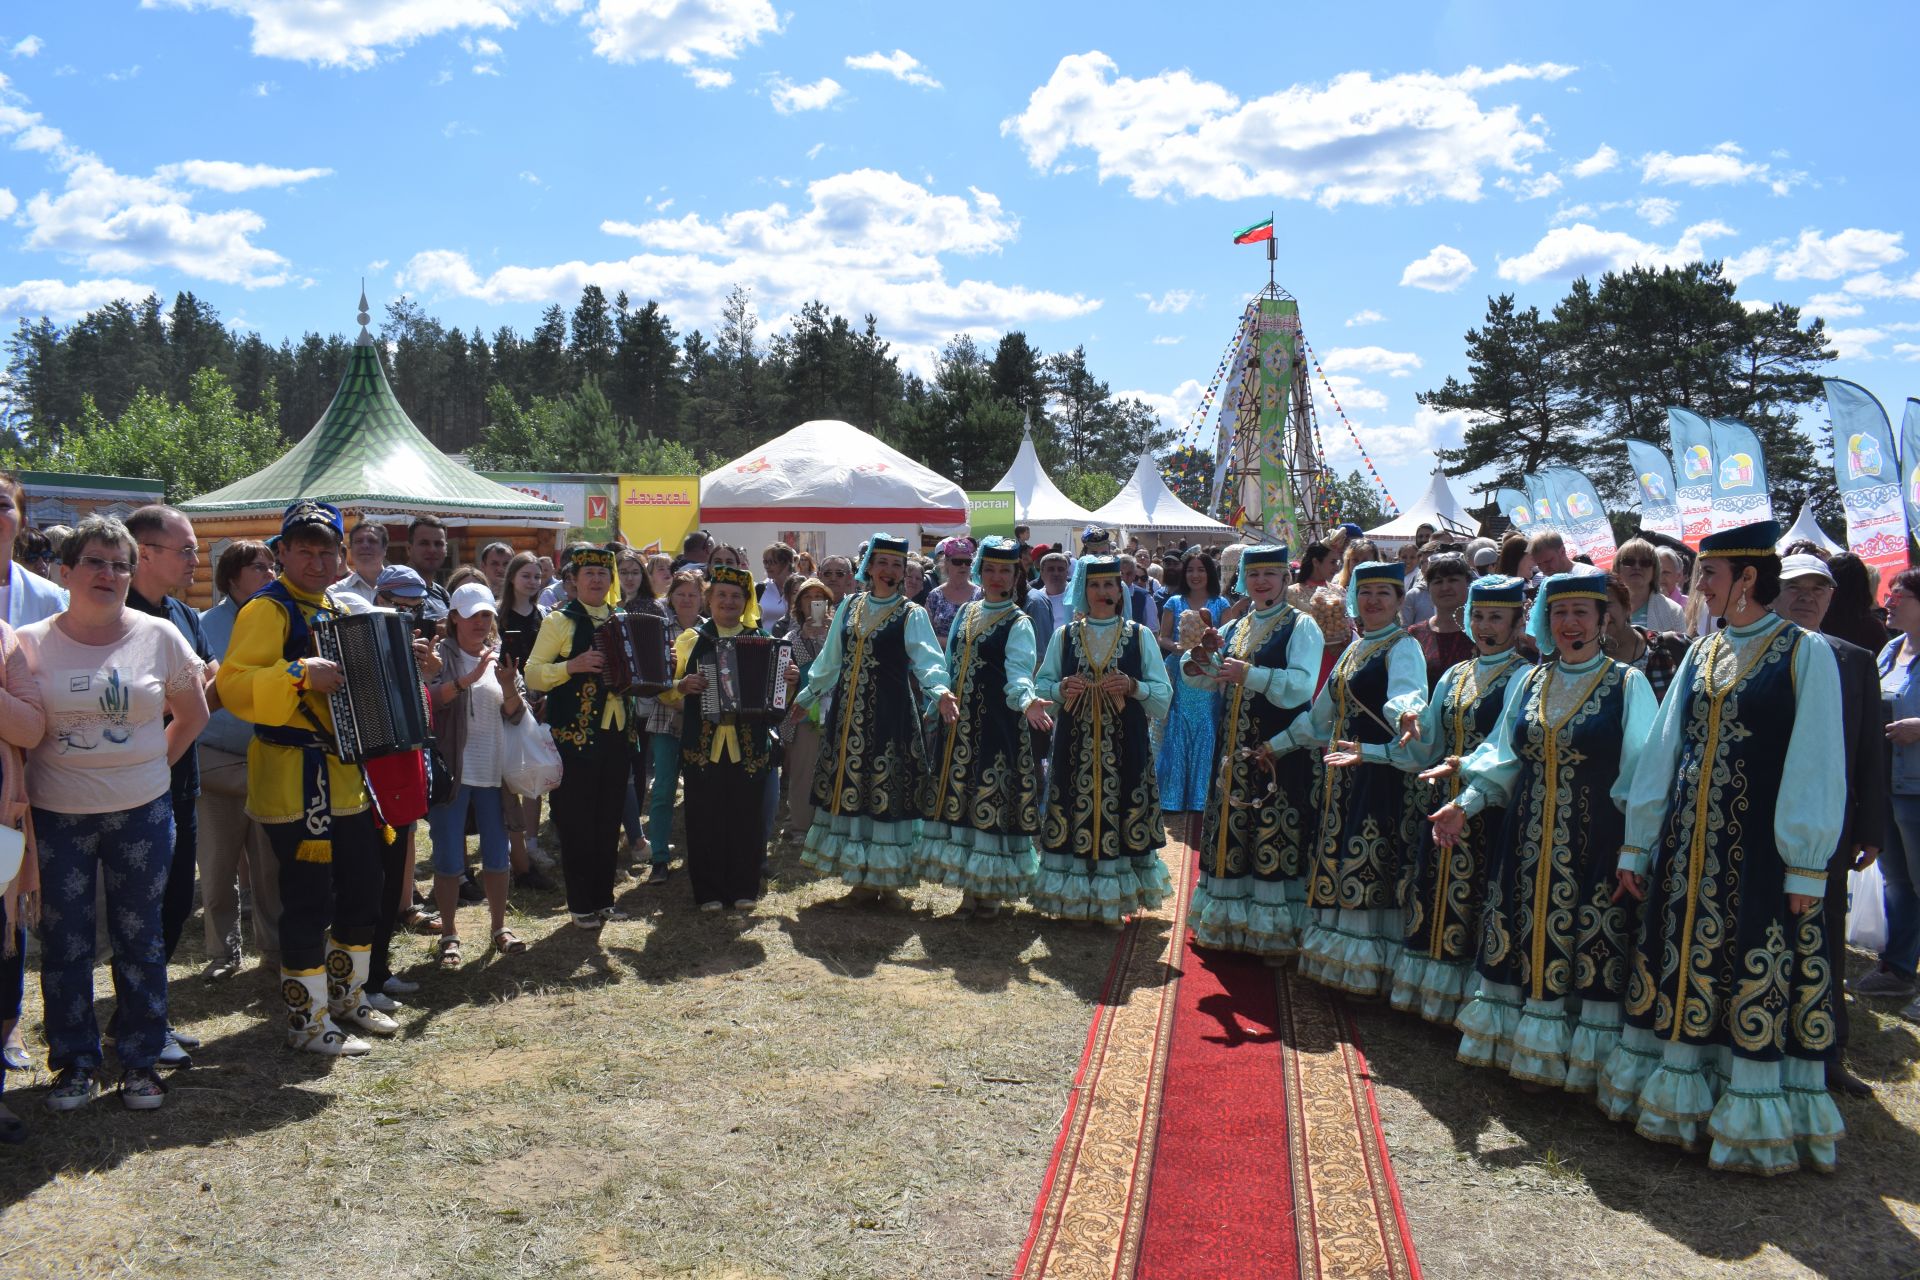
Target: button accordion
{"points": [[379, 708], [638, 661], [746, 679]]}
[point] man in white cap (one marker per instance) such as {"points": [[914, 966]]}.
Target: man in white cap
{"points": [[1806, 589]]}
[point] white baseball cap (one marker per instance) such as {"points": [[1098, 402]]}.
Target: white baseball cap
{"points": [[471, 598], [1804, 566]]}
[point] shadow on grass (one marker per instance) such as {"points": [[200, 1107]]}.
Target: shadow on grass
{"points": [[1838, 1225]]}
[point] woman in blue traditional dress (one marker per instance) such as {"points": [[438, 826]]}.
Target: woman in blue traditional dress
{"points": [[1554, 934], [872, 786], [1101, 835], [1444, 887], [986, 804], [1258, 828], [1185, 765], [1354, 922], [1736, 808]]}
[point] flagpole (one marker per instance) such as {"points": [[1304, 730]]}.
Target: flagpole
{"points": [[1272, 254]]}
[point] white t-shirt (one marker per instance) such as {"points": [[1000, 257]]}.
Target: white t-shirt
{"points": [[106, 743], [480, 757]]}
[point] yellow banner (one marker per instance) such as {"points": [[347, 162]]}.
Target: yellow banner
{"points": [[658, 512]]}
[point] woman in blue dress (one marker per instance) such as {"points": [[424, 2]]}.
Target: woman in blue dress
{"points": [[872, 787], [1259, 827], [1354, 921], [1185, 767], [1554, 934], [1444, 887], [1736, 808], [1101, 835], [986, 805]]}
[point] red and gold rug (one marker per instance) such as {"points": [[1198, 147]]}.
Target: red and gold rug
{"points": [[1222, 1125]]}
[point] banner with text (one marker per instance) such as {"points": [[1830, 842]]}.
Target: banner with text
{"points": [[1910, 451], [658, 512], [1544, 516], [1740, 494], [1584, 521], [1690, 442], [1866, 468], [1659, 513], [990, 511], [1516, 508], [586, 500]]}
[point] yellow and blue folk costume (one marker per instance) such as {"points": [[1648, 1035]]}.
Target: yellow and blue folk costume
{"points": [[1353, 924], [872, 787], [986, 804], [1258, 830], [1442, 890], [1101, 834], [1554, 945], [1737, 802]]}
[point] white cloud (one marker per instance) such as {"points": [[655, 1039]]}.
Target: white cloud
{"points": [[1836, 306], [865, 241], [1174, 410], [531, 178], [1173, 300], [1842, 253], [1165, 340], [1412, 137], [1399, 443], [8, 203], [1355, 394], [1657, 211], [28, 48], [337, 35], [683, 33], [789, 97], [1722, 166], [1395, 364], [1855, 344], [1530, 188], [710, 77], [1582, 249], [1748, 264], [1907, 350], [1364, 316], [1875, 284], [58, 300], [899, 64], [1443, 270], [1601, 161], [229, 175]]}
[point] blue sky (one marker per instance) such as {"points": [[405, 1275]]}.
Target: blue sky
{"points": [[1075, 170]]}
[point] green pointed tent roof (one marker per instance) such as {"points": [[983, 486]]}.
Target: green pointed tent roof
{"points": [[366, 452]]}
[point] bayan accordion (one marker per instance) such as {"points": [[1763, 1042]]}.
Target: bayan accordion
{"points": [[746, 679], [379, 708], [635, 648]]}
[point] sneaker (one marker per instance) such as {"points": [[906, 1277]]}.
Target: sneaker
{"points": [[658, 874], [613, 915], [141, 1090], [710, 906], [1912, 1011], [72, 1089], [397, 986], [382, 1001], [186, 1041], [746, 904], [173, 1054], [1883, 982], [586, 919], [225, 967]]}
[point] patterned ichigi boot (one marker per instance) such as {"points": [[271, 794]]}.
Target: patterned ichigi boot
{"points": [[347, 969], [308, 1026]]}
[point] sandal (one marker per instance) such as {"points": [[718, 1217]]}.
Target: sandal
{"points": [[449, 953], [508, 943], [421, 920]]}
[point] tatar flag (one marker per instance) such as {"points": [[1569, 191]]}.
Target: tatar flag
{"points": [[1256, 233]]}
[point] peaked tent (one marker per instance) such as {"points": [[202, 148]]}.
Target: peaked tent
{"points": [[1147, 506], [1038, 502], [1437, 507], [824, 486], [1804, 529]]}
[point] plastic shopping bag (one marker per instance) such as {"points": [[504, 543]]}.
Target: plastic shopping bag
{"points": [[529, 762], [1866, 909]]}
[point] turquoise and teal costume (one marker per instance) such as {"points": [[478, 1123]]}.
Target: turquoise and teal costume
{"points": [[872, 787], [1258, 830], [1736, 803], [986, 805], [1101, 835], [1353, 927], [1554, 945]]}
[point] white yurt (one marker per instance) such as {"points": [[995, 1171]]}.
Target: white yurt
{"points": [[824, 487], [1437, 507], [1145, 508], [1038, 502], [1806, 530]]}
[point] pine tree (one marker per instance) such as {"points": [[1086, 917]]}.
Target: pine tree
{"points": [[594, 335]]}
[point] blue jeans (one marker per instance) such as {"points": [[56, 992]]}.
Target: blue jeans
{"points": [[448, 825], [666, 776], [1900, 871], [134, 849]]}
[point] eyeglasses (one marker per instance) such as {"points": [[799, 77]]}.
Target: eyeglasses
{"points": [[43, 557], [95, 564], [962, 561], [191, 551], [1632, 562]]}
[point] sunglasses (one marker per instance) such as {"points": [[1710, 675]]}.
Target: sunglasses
{"points": [[1630, 562]]}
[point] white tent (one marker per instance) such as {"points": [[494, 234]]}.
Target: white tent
{"points": [[1146, 507], [1437, 507], [824, 487], [1038, 502], [1805, 530]]}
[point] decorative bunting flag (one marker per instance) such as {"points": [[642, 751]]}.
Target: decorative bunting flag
{"points": [[1659, 511], [1868, 473]]}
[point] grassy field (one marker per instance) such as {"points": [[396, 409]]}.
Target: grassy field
{"points": [[817, 1091]]}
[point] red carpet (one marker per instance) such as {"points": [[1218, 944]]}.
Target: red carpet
{"points": [[1221, 1125]]}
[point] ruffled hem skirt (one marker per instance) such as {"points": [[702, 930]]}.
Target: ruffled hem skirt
{"points": [[1244, 913], [862, 852], [1108, 891], [1433, 989], [1563, 1043], [1352, 951], [1750, 1116], [982, 863]]}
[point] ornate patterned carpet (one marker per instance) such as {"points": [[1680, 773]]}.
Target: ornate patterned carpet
{"points": [[1222, 1125]]}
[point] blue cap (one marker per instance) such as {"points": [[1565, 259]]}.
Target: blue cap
{"points": [[1757, 539], [1564, 586], [309, 513], [399, 580]]}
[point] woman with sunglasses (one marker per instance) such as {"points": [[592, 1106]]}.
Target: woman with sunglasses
{"points": [[956, 590], [1637, 565]]}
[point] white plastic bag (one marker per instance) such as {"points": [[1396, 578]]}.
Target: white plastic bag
{"points": [[1866, 909], [529, 762]]}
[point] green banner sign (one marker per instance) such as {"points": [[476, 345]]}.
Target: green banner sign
{"points": [[990, 511]]}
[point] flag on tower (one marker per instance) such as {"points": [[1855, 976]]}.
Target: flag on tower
{"points": [[1256, 233]]}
